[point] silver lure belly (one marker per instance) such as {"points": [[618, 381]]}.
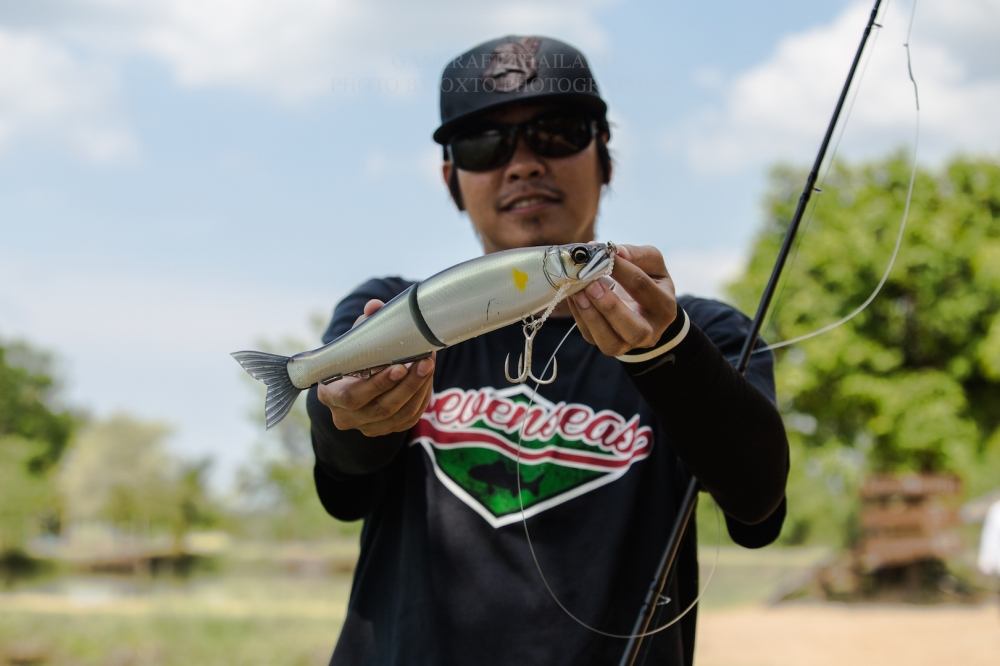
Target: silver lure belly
{"points": [[462, 302]]}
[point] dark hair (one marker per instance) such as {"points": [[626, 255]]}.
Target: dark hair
{"points": [[603, 159]]}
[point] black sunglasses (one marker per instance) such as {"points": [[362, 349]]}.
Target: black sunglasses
{"points": [[492, 145]]}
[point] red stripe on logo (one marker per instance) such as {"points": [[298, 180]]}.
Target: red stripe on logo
{"points": [[445, 439]]}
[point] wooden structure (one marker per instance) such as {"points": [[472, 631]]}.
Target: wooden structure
{"points": [[907, 519]]}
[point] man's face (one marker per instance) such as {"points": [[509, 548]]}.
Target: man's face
{"points": [[532, 200]]}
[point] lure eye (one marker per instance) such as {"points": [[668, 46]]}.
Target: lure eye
{"points": [[579, 255]]}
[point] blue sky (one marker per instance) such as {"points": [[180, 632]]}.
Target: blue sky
{"points": [[182, 179]]}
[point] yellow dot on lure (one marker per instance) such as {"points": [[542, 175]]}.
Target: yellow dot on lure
{"points": [[520, 279]]}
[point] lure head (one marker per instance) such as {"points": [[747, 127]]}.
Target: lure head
{"points": [[578, 264]]}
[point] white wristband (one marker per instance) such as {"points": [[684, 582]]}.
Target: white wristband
{"points": [[662, 349]]}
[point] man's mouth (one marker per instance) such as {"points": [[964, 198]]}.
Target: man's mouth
{"points": [[528, 201]]}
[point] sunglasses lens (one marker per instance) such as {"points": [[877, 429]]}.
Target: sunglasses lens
{"points": [[483, 150], [559, 136], [554, 135]]}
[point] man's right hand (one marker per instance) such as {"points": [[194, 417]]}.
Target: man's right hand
{"points": [[387, 402]]}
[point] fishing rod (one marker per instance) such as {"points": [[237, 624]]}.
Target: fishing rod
{"points": [[654, 601]]}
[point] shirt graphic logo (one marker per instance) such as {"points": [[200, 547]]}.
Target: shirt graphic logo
{"points": [[565, 449]]}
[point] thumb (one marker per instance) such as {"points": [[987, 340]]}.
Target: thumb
{"points": [[371, 307], [646, 257]]}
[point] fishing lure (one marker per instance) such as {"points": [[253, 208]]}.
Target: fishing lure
{"points": [[459, 303]]}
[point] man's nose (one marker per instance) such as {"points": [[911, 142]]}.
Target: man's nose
{"points": [[524, 163]]}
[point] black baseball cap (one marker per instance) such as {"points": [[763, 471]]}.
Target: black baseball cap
{"points": [[514, 69]]}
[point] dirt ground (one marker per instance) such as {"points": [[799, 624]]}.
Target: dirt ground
{"points": [[292, 620], [849, 635]]}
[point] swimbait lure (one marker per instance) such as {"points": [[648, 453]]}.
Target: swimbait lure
{"points": [[459, 303]]}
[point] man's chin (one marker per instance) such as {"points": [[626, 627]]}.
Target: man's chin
{"points": [[536, 231], [545, 231]]}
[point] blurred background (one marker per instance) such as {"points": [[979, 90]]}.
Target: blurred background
{"points": [[181, 179]]}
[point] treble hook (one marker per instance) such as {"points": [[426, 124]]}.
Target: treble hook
{"points": [[524, 361]]}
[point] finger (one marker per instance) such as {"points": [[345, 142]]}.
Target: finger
{"points": [[581, 323], [348, 397], [655, 297], [602, 335], [615, 327], [371, 307], [353, 393], [405, 418], [599, 330], [346, 416], [385, 406], [416, 406], [646, 257]]}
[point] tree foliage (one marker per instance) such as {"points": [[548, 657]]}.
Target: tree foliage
{"points": [[277, 489], [28, 404], [34, 431], [28, 501], [912, 383], [119, 471], [278, 494]]}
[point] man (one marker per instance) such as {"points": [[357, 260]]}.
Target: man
{"points": [[989, 543], [428, 454]]}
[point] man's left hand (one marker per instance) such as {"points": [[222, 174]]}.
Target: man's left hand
{"points": [[636, 313]]}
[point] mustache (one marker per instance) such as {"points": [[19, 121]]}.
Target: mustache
{"points": [[505, 199]]}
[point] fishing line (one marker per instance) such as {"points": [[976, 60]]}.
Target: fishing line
{"points": [[534, 555], [902, 224], [818, 189], [777, 345]]}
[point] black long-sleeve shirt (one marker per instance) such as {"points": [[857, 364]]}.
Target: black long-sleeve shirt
{"points": [[604, 455]]}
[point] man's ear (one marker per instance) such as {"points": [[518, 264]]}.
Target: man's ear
{"points": [[450, 175], [446, 169], [604, 158]]}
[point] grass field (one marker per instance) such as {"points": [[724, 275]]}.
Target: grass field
{"points": [[257, 614], [274, 619], [743, 577]]}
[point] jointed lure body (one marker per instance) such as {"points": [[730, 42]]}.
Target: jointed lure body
{"points": [[459, 303]]}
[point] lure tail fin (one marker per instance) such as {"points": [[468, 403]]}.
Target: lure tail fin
{"points": [[272, 370]]}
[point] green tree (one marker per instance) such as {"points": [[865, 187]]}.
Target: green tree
{"points": [[29, 406], [277, 489], [34, 431], [119, 471], [912, 383], [27, 499]]}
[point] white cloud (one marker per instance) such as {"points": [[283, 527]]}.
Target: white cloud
{"points": [[375, 164], [154, 313], [968, 28], [59, 78], [289, 49], [47, 91], [379, 164], [709, 78], [778, 110], [301, 49], [704, 271], [428, 166], [625, 150]]}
